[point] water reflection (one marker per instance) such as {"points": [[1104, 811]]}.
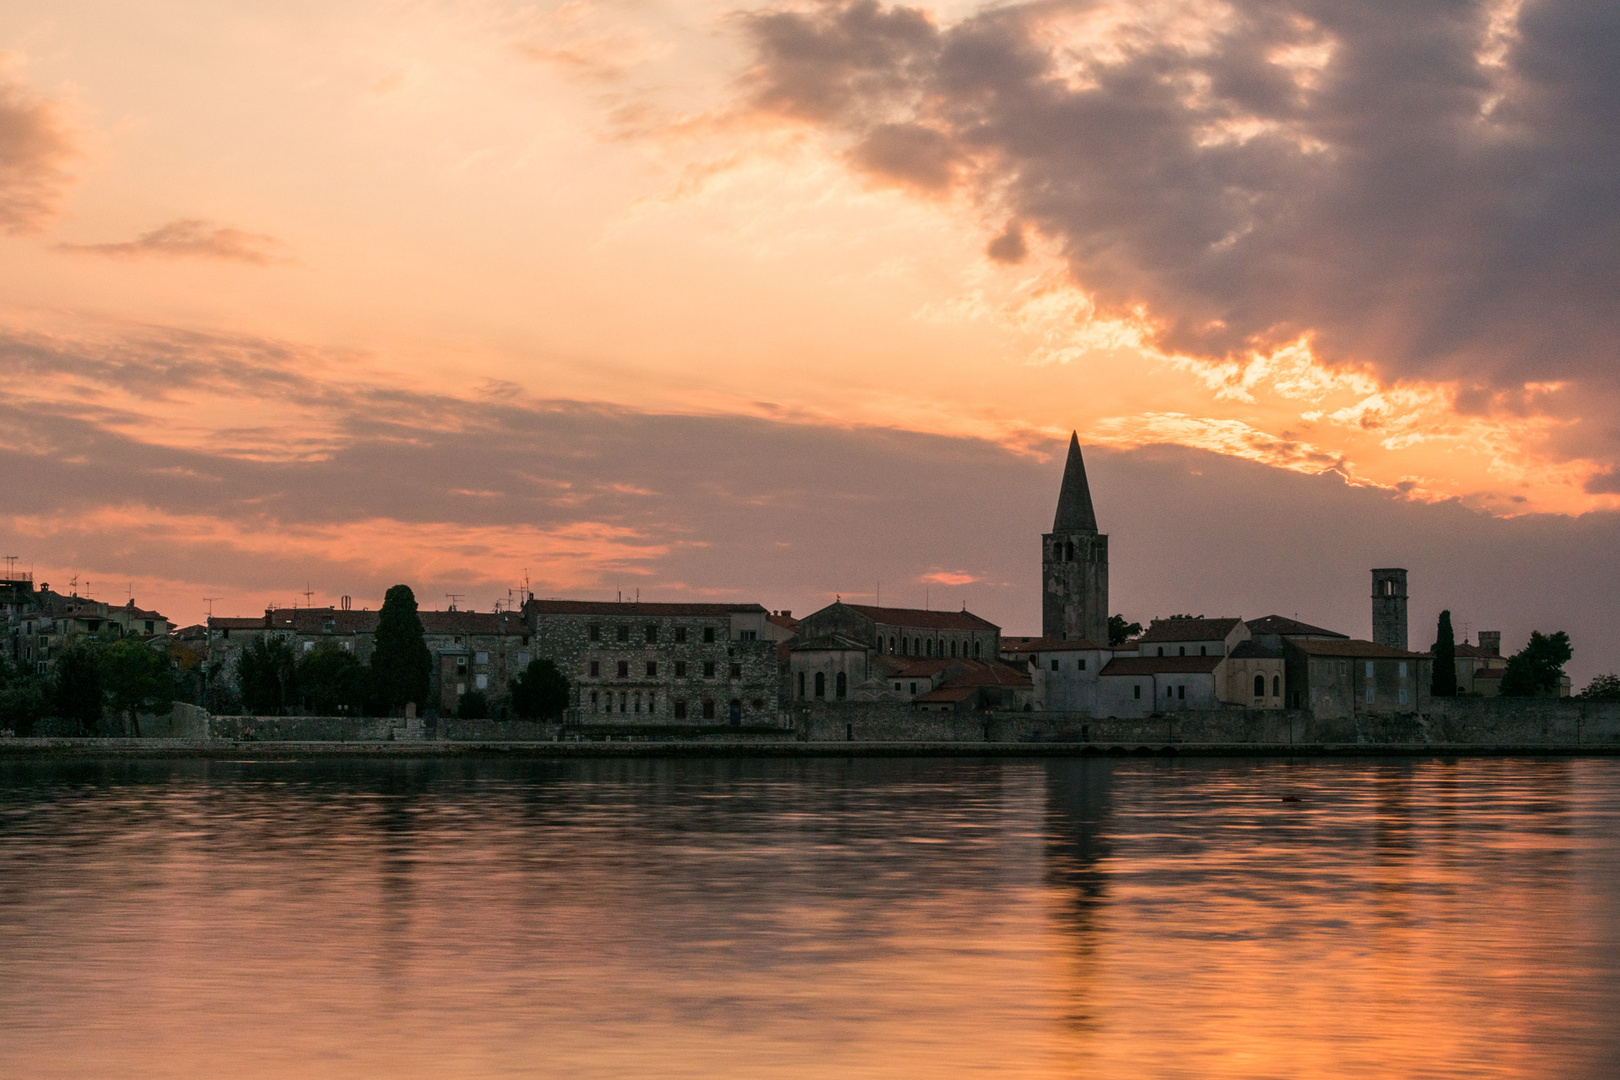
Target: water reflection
{"points": [[809, 918]]}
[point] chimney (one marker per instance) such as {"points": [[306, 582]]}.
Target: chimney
{"points": [[1491, 641]]}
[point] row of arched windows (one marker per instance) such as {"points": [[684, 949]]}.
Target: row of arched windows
{"points": [[840, 683], [927, 647], [1063, 551], [1260, 686]]}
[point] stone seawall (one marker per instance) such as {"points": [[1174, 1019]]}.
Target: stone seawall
{"points": [[1456, 722], [1460, 722]]}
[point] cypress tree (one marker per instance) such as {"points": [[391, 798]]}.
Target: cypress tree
{"points": [[1445, 659], [400, 662]]}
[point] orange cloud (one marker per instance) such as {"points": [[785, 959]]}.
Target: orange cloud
{"points": [[36, 146], [193, 238]]}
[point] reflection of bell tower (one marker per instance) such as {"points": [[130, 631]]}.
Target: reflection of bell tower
{"points": [[1074, 562]]}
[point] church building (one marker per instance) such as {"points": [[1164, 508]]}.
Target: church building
{"points": [[1074, 562]]}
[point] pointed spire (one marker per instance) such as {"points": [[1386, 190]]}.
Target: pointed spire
{"points": [[1074, 512]]}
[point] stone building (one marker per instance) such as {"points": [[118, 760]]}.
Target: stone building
{"points": [[1063, 671], [1192, 637], [39, 623], [1254, 676], [1074, 561], [907, 631], [1136, 686], [1336, 679], [661, 663]]}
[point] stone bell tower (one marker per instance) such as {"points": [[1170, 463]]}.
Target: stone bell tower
{"points": [[1389, 607], [1074, 561]]}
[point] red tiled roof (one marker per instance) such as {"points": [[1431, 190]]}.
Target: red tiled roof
{"points": [[923, 620], [786, 622], [1045, 644], [945, 694], [1477, 653], [313, 620], [1188, 630], [473, 622], [914, 667], [1351, 647], [608, 607], [980, 673], [1284, 626], [223, 622], [830, 643], [1161, 665]]}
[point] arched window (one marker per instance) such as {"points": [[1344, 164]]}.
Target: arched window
{"points": [[903, 646], [891, 644], [928, 647], [1203, 650], [843, 686], [953, 650], [1070, 552], [1276, 686], [975, 650], [821, 684], [801, 686], [1259, 686]]}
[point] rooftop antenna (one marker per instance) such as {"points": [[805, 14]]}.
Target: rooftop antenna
{"points": [[309, 595], [209, 600], [11, 566], [347, 602], [638, 596], [453, 597]]}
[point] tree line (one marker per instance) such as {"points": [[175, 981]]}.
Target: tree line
{"points": [[103, 685], [1537, 670]]}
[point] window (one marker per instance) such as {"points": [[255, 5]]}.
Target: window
{"points": [[1161, 650], [482, 658], [593, 701], [748, 635], [522, 661], [1259, 686], [916, 647], [652, 701], [680, 639], [913, 688], [708, 669], [928, 648], [1369, 669], [975, 650], [148, 626], [1054, 665], [891, 644], [1182, 651], [680, 669], [821, 684], [624, 633], [624, 699], [708, 708], [680, 703], [1138, 689], [309, 646], [736, 671], [481, 681], [953, 650], [638, 704], [897, 688], [1276, 686], [652, 633], [596, 669], [1203, 650], [801, 686], [708, 639], [1080, 664], [1369, 695], [1068, 553], [1181, 692], [461, 665], [652, 669], [624, 669], [1403, 669], [593, 632], [1403, 695], [842, 689]]}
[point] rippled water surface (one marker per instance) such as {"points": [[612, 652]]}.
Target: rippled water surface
{"points": [[826, 918]]}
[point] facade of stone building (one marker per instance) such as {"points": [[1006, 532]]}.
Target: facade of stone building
{"points": [[1074, 561], [912, 632], [661, 663], [39, 623], [1136, 686], [1192, 637], [1254, 676], [1063, 671], [1338, 679]]}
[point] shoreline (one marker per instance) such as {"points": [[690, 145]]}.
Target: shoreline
{"points": [[67, 749]]}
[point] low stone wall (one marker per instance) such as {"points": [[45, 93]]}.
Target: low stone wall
{"points": [[1458, 721]]}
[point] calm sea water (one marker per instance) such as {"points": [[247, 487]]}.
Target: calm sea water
{"points": [[828, 918]]}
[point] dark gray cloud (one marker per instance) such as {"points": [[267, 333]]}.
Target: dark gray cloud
{"points": [[1438, 198], [36, 146], [786, 514]]}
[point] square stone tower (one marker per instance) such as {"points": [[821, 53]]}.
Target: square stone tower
{"points": [[1074, 561], [1389, 607]]}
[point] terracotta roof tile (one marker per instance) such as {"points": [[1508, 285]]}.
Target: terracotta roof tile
{"points": [[922, 619], [1282, 625], [1351, 647], [1188, 630], [608, 607]]}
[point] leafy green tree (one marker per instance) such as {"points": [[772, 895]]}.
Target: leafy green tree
{"points": [[1444, 683], [23, 698], [401, 663], [474, 705], [136, 679], [1602, 688], [333, 683], [76, 685], [1120, 631], [267, 676], [541, 692], [1535, 670]]}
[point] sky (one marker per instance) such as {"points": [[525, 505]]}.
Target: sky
{"points": [[782, 302]]}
